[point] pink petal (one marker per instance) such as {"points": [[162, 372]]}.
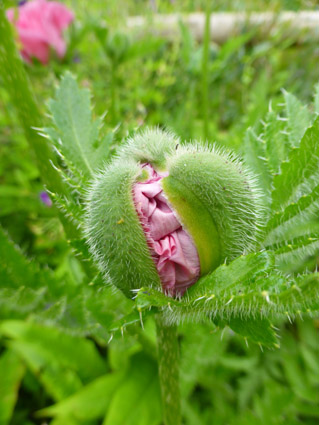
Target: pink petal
{"points": [[171, 246], [61, 16], [34, 46], [40, 25]]}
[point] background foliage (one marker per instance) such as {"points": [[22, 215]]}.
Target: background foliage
{"points": [[73, 349]]}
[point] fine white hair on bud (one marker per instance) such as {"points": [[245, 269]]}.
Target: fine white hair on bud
{"points": [[161, 203]]}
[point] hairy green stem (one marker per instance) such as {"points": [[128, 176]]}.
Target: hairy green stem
{"points": [[16, 82], [168, 365]]}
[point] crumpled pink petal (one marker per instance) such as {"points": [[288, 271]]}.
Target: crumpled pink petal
{"points": [[40, 25], [172, 248]]}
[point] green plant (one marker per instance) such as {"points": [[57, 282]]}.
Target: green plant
{"points": [[246, 294]]}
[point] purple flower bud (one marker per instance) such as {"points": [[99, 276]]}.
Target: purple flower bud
{"points": [[45, 198]]}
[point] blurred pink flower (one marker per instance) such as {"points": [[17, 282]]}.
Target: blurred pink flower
{"points": [[172, 248], [40, 25]]}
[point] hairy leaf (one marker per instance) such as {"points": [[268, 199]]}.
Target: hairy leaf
{"points": [[249, 288], [77, 133], [302, 164], [298, 118], [17, 271], [275, 138], [255, 157], [295, 209], [259, 331]]}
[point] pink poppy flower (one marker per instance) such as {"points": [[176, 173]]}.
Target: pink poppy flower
{"points": [[172, 248], [40, 25]]}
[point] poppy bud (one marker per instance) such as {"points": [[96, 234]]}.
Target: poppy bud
{"points": [[163, 215]]}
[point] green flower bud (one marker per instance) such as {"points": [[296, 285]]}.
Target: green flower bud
{"points": [[207, 199]]}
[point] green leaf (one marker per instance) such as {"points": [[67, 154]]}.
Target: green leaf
{"points": [[201, 348], [234, 278], [295, 209], [255, 157], [302, 164], [275, 138], [249, 288], [295, 372], [57, 345], [17, 271], [293, 243], [91, 402], [259, 331], [298, 118], [58, 380], [299, 242], [144, 47], [11, 372], [137, 400], [72, 211], [19, 303], [77, 134], [27, 291]]}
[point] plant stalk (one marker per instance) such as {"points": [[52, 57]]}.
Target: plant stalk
{"points": [[168, 366], [205, 74]]}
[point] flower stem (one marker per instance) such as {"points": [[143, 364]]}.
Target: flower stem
{"points": [[168, 362], [205, 74]]}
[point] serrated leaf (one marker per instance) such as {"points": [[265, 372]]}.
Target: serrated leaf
{"points": [[255, 157], [258, 331], [11, 372], [81, 248], [72, 211], [295, 209], [18, 303], [298, 118], [302, 164], [253, 290], [296, 243], [234, 277], [275, 138], [77, 133], [17, 271], [27, 291]]}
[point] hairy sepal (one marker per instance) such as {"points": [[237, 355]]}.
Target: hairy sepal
{"points": [[114, 232], [151, 146], [224, 191]]}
